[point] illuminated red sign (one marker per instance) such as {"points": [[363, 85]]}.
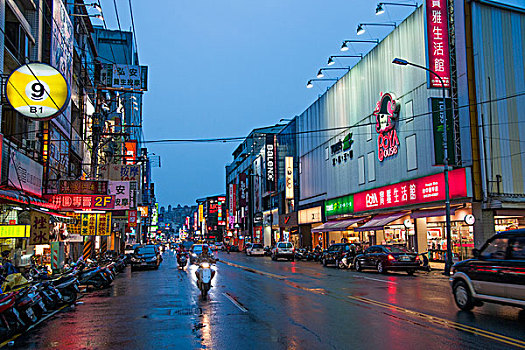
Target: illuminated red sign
{"points": [[68, 202], [386, 112], [130, 151], [423, 190], [437, 37], [132, 218]]}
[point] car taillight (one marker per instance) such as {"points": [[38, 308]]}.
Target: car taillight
{"points": [[390, 257], [277, 250]]}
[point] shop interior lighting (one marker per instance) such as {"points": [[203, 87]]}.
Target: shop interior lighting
{"points": [[344, 47], [380, 9], [321, 75], [331, 58], [361, 26], [310, 84]]}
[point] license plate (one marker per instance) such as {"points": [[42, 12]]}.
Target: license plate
{"points": [[59, 294], [143, 264], [41, 304], [405, 258], [30, 313], [15, 312], [206, 275]]}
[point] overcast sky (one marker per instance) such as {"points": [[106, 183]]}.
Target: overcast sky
{"points": [[222, 68]]}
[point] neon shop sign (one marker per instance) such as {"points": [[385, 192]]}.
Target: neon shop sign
{"points": [[386, 113]]}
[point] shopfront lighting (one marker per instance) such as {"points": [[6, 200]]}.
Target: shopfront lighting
{"points": [[344, 47], [17, 208], [380, 9], [361, 26], [310, 83], [448, 262], [44, 209], [332, 62]]}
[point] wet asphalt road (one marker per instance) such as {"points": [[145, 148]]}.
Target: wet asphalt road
{"points": [[259, 304]]}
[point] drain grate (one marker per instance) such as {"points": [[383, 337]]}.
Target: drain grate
{"points": [[187, 311]]}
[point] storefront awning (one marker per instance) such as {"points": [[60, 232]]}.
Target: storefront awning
{"points": [[18, 197], [341, 225], [431, 213], [378, 222]]}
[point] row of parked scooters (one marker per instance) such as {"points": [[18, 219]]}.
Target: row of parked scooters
{"points": [[28, 298]]}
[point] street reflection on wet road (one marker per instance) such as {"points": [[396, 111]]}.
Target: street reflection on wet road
{"points": [[259, 304]]}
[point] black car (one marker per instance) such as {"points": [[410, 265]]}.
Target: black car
{"points": [[496, 274], [334, 254], [145, 256], [384, 258]]}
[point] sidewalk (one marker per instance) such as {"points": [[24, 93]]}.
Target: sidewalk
{"points": [[437, 265]]}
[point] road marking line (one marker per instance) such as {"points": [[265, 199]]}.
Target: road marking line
{"points": [[376, 279], [432, 319], [444, 322], [249, 269], [235, 302]]}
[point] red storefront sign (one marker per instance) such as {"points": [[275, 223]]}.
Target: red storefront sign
{"points": [[437, 40], [423, 190], [68, 202], [386, 113], [130, 151], [132, 218]]}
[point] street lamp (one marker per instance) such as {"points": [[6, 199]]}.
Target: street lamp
{"points": [[361, 26], [321, 75], [448, 262], [344, 47], [380, 9], [331, 58], [310, 85]]}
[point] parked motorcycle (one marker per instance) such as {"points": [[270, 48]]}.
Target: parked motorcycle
{"points": [[301, 254], [10, 319]]}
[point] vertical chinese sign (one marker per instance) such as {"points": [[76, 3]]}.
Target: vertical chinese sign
{"points": [[437, 41], [40, 228], [132, 218]]}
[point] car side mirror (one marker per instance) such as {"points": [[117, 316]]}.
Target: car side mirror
{"points": [[475, 252]]}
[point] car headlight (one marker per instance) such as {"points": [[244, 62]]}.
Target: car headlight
{"points": [[153, 259], [134, 259], [205, 265]]}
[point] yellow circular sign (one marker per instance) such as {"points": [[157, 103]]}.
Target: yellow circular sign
{"points": [[37, 91]]}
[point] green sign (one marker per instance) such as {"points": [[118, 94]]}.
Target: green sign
{"points": [[339, 206], [347, 142], [437, 123]]}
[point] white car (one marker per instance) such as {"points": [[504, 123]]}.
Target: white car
{"points": [[255, 249], [283, 250]]}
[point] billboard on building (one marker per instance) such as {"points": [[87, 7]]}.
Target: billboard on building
{"points": [[24, 173], [120, 189], [83, 187], [130, 153], [120, 172], [62, 56]]}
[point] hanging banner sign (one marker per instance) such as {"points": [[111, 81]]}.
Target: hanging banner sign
{"points": [[37, 91], [15, 231], [288, 168], [68, 202], [24, 173], [95, 224], [386, 113], [130, 153], [120, 172], [124, 76], [243, 190], [271, 163], [436, 105], [120, 189], [40, 228], [83, 187], [143, 211], [437, 42], [132, 218]]}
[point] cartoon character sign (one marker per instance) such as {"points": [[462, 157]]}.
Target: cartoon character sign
{"points": [[386, 113]]}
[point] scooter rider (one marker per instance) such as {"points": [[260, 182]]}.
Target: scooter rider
{"points": [[205, 256]]}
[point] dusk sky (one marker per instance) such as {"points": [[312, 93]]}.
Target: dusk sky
{"points": [[222, 68]]}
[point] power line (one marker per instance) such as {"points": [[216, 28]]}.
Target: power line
{"points": [[341, 128], [120, 30], [133, 27]]}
